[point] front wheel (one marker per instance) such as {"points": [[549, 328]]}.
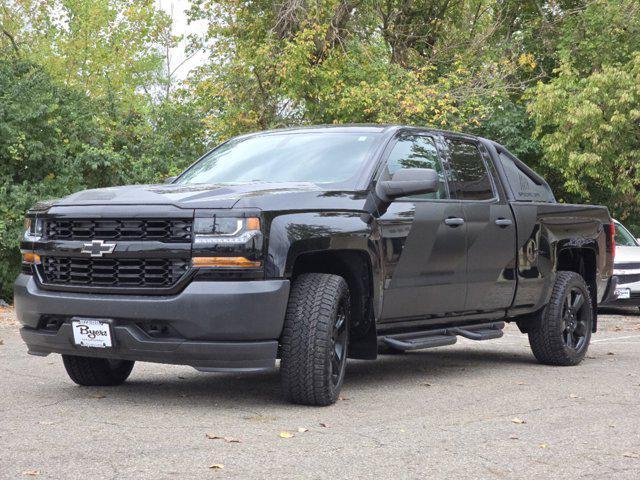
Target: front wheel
{"points": [[563, 333], [314, 339], [97, 372]]}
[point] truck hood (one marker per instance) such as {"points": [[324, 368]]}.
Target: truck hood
{"points": [[267, 196], [627, 255]]}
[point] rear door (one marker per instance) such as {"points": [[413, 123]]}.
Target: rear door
{"points": [[423, 240], [490, 226]]}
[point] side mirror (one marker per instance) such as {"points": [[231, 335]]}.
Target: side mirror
{"points": [[169, 179], [408, 181]]}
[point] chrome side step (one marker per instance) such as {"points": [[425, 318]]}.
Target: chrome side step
{"points": [[442, 336]]}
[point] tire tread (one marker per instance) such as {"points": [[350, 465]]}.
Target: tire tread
{"points": [[306, 338]]}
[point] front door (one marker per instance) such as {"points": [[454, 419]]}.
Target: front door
{"points": [[423, 241]]}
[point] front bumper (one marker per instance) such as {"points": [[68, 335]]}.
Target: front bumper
{"points": [[613, 301], [209, 325]]}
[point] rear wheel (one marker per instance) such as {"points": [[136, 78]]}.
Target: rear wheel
{"points": [[314, 339], [97, 372], [563, 333]]}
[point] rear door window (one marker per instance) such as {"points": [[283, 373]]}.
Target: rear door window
{"points": [[469, 176]]}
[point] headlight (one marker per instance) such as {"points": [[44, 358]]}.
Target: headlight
{"points": [[225, 230], [32, 228], [32, 233], [227, 242]]}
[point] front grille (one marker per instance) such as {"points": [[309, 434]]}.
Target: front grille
{"points": [[627, 266], [626, 279], [111, 272], [163, 230]]}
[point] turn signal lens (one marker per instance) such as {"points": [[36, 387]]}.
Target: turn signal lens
{"points": [[225, 262], [30, 258], [253, 223]]}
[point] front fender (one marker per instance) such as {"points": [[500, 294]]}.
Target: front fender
{"points": [[291, 235]]}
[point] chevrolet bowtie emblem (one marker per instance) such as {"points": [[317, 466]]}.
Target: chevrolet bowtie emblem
{"points": [[97, 248]]}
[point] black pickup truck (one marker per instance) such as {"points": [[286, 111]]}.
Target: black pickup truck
{"points": [[312, 245]]}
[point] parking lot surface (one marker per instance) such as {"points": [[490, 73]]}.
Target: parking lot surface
{"points": [[472, 410]]}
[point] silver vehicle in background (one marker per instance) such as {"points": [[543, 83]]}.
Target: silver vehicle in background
{"points": [[626, 268]]}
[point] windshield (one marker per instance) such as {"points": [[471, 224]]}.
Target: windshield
{"points": [[624, 237], [317, 157]]}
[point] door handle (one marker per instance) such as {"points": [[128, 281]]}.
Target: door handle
{"points": [[504, 222], [454, 221]]}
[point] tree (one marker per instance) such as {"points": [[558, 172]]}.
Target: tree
{"points": [[423, 62], [587, 117], [589, 129]]}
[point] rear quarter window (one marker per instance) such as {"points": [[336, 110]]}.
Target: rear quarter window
{"points": [[524, 188]]}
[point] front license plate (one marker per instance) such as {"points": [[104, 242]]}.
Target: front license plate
{"points": [[89, 332], [623, 293]]}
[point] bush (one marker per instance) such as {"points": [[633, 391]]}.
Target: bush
{"points": [[55, 141]]}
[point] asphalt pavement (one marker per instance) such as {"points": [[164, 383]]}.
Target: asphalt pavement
{"points": [[480, 410]]}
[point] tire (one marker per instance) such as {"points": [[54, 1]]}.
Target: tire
{"points": [[97, 372], [313, 346], [562, 335]]}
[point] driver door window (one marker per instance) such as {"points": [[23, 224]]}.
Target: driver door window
{"points": [[417, 151]]}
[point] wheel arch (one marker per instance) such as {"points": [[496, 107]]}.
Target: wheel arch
{"points": [[356, 268]]}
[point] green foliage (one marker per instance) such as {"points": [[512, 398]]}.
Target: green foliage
{"points": [[44, 130], [589, 131], [344, 62]]}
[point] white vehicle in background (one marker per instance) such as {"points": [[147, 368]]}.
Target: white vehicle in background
{"points": [[626, 268]]}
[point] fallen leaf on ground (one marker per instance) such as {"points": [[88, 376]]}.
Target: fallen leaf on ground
{"points": [[344, 398], [543, 445], [325, 425], [513, 437], [617, 328], [521, 383], [98, 395], [610, 353], [302, 429], [216, 466], [425, 384], [573, 395], [31, 473], [1, 342], [286, 435], [211, 436], [517, 420], [631, 455]]}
